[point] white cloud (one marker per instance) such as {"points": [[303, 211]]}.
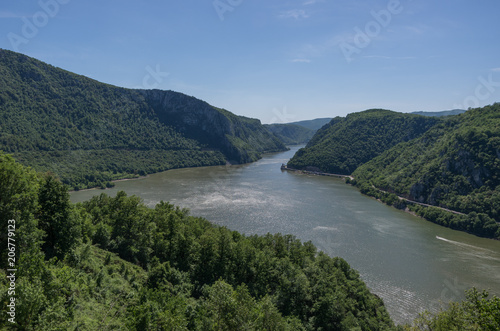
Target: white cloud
{"points": [[301, 61], [294, 13], [311, 2], [495, 69]]}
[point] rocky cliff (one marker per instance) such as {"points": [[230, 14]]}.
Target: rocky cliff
{"points": [[240, 138]]}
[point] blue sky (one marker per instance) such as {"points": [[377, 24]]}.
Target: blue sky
{"points": [[278, 61]]}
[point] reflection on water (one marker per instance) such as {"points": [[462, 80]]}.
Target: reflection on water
{"points": [[410, 263]]}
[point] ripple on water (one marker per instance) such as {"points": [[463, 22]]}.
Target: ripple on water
{"points": [[401, 302]]}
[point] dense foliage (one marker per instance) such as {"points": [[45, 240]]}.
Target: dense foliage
{"points": [[346, 143], [477, 312], [89, 133], [291, 134], [455, 165], [297, 133], [314, 124], [113, 263]]}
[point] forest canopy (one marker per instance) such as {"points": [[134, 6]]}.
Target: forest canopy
{"points": [[113, 261]]}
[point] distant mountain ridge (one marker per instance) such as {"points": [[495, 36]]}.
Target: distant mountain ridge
{"points": [[440, 113], [314, 124], [296, 133], [291, 134], [89, 132]]}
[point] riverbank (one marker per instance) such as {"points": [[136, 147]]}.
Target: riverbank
{"points": [[439, 215], [111, 181], [473, 223], [316, 173]]}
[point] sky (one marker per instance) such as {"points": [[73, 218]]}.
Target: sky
{"points": [[278, 61]]}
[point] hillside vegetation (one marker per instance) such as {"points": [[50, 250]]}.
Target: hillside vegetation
{"points": [[113, 263], [314, 124], [89, 133], [345, 143], [291, 134], [297, 133], [455, 165]]}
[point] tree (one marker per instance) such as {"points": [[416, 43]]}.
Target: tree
{"points": [[55, 218]]}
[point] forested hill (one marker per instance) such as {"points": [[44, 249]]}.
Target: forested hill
{"points": [[112, 263], [314, 124], [296, 133], [88, 132], [455, 165], [291, 134], [345, 143]]}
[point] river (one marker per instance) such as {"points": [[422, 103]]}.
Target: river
{"points": [[410, 263]]}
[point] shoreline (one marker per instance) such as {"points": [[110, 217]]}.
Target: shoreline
{"points": [[111, 181], [406, 209], [228, 163], [315, 173]]}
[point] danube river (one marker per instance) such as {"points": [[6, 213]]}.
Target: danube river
{"points": [[410, 263]]}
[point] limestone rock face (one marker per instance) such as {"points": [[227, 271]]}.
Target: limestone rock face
{"points": [[241, 139]]}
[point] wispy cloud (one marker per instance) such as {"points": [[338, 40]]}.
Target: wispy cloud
{"points": [[8, 14], [318, 48], [295, 14], [301, 61], [312, 2], [417, 30], [384, 57], [495, 69]]}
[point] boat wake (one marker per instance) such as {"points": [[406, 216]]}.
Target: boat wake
{"points": [[485, 253]]}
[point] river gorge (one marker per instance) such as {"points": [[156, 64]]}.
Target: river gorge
{"points": [[410, 263]]}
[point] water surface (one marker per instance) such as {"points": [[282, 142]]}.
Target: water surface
{"points": [[410, 263]]}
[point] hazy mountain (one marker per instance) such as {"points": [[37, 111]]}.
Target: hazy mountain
{"points": [[296, 133], [440, 113], [291, 134], [314, 124]]}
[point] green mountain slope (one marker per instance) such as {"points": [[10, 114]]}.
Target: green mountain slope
{"points": [[291, 134], [455, 165], [89, 132], [297, 133], [346, 143], [314, 124], [113, 263]]}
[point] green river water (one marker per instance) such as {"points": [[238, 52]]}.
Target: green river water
{"points": [[410, 263]]}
